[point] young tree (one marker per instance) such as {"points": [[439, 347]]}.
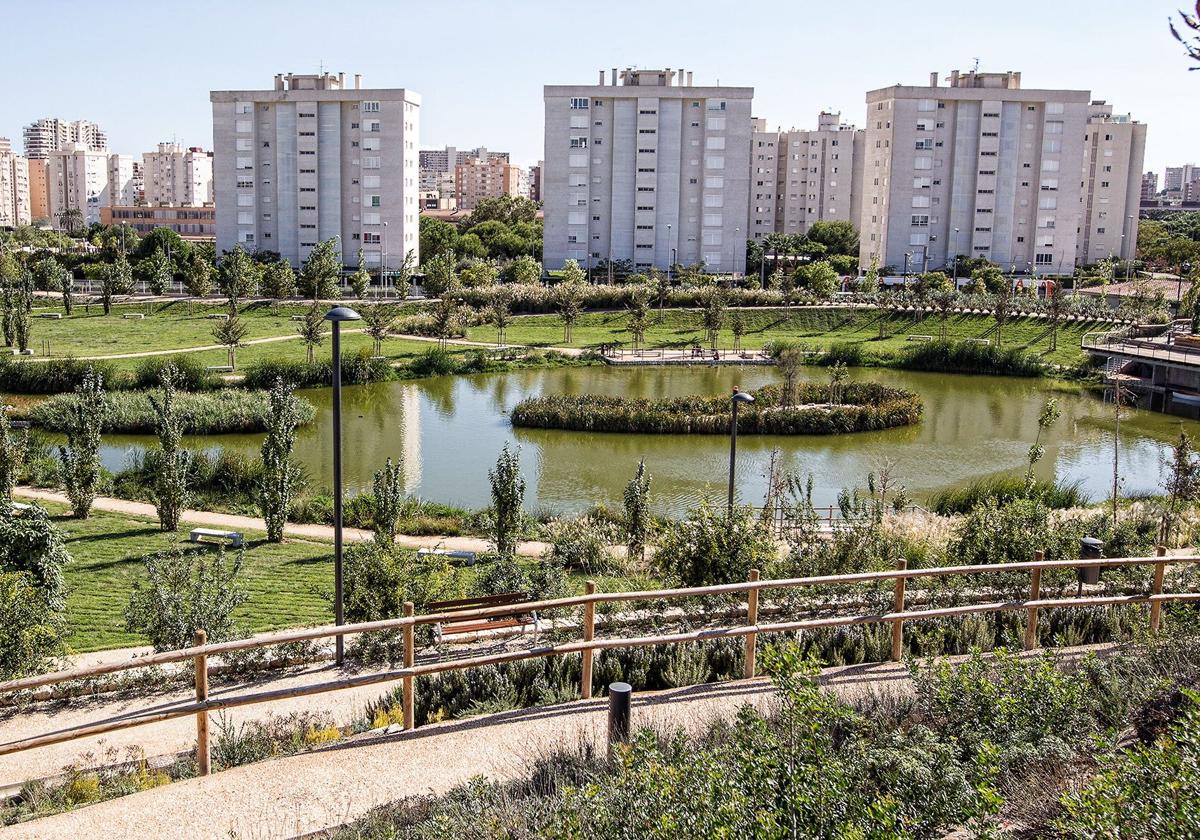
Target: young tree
{"points": [[66, 280], [80, 458], [184, 593], [1001, 309], [12, 454], [524, 270], [320, 274], [499, 312], [230, 332], [572, 273], [170, 491], [661, 284], [117, 280], [388, 491], [508, 493], [569, 303], [991, 278], [198, 274], [380, 319], [160, 271], [837, 381], [1046, 419], [8, 311], [278, 280], [360, 280], [446, 319], [789, 358], [281, 476], [237, 276], [1057, 305], [1182, 485], [944, 301], [440, 275], [401, 275], [714, 316], [870, 281], [639, 317], [737, 326], [312, 330], [817, 277], [21, 323], [638, 520]]}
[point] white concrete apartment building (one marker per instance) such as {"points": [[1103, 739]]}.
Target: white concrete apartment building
{"points": [[1114, 151], [647, 168], [51, 134], [77, 179], [1149, 186], [175, 176], [14, 187], [313, 159], [478, 178], [1177, 178], [124, 181], [800, 176]]}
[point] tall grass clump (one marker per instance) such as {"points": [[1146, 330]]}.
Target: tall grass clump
{"points": [[56, 376], [208, 413], [357, 369], [964, 357], [1003, 489], [190, 374]]}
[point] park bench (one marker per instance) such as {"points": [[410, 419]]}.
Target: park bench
{"points": [[53, 316], [919, 338], [979, 340], [133, 316], [217, 316], [202, 534], [20, 507], [469, 556], [219, 369], [299, 317], [474, 625]]}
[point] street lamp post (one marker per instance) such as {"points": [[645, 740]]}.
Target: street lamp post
{"points": [[383, 278], [1185, 268], [955, 269], [672, 261], [904, 276], [337, 315], [735, 399]]}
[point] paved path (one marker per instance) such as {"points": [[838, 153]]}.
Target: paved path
{"points": [[235, 522], [307, 792]]}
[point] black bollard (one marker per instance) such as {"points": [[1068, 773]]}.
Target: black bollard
{"points": [[619, 698]]}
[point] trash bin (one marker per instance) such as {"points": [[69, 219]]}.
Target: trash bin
{"points": [[1090, 548]]}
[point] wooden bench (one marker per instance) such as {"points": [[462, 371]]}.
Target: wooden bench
{"points": [[1187, 340], [201, 534], [469, 556], [919, 338], [474, 625]]}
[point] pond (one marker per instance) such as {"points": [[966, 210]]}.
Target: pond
{"points": [[450, 429]]}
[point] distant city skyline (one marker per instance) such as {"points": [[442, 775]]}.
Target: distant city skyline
{"points": [[483, 85]]}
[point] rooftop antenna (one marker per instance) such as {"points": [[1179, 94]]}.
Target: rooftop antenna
{"points": [[975, 69], [321, 65]]}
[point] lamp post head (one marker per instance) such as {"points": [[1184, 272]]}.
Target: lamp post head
{"points": [[342, 313], [741, 396]]}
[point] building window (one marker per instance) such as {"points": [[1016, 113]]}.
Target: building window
{"points": [[370, 107]]}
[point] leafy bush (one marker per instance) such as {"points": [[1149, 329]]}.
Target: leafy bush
{"points": [[583, 545], [191, 375], [1010, 533], [32, 592], [865, 406], [208, 413], [185, 592], [436, 361], [709, 547], [357, 369], [845, 353], [55, 376], [1003, 489], [969, 357]]}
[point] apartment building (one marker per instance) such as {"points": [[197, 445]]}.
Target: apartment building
{"points": [[801, 176], [980, 167], [1177, 178], [313, 159], [175, 176], [535, 182], [51, 134], [14, 187], [39, 192], [647, 168], [1114, 151], [448, 158], [77, 179], [478, 178], [124, 181], [196, 223], [1149, 186]]}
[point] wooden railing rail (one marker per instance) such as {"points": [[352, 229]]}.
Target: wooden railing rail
{"points": [[750, 631]]}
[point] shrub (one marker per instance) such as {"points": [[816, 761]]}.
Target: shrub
{"points": [[436, 361], [583, 545], [709, 547], [357, 369], [56, 376], [843, 353], [32, 593], [226, 412], [191, 375], [1010, 533], [1003, 489], [185, 592], [963, 357]]}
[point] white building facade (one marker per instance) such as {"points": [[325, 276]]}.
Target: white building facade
{"points": [[1114, 151], [647, 168], [77, 179], [51, 134], [175, 176], [14, 187], [313, 159]]}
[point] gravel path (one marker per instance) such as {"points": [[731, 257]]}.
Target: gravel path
{"points": [[235, 522]]}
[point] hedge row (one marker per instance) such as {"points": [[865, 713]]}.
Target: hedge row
{"points": [[211, 413], [863, 406]]}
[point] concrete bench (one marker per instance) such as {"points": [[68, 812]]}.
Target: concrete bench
{"points": [[20, 507], [469, 556], [53, 316], [219, 369], [133, 316], [919, 338], [202, 534], [217, 316], [979, 340], [299, 317]]}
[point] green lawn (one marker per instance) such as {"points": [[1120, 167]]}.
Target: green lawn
{"points": [[818, 327], [284, 581]]}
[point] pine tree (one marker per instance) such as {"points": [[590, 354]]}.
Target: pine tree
{"points": [[170, 491], [81, 456], [638, 521], [281, 476]]}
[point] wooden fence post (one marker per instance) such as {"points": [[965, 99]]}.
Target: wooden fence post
{"points": [[203, 760], [898, 606], [1035, 592], [409, 659], [751, 620], [1156, 589], [589, 633]]}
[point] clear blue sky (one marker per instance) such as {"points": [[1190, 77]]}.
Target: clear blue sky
{"points": [[143, 71]]}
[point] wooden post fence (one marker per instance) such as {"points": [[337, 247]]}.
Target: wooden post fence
{"points": [[1035, 591], [589, 633], [1156, 589], [200, 663], [751, 620], [409, 683], [898, 607]]}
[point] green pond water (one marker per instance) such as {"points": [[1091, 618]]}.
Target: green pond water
{"points": [[450, 429]]}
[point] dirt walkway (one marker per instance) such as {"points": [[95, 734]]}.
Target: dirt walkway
{"points": [[324, 533], [304, 793]]}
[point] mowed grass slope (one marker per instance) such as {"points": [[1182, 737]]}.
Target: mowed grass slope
{"points": [[284, 581], [819, 327]]}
